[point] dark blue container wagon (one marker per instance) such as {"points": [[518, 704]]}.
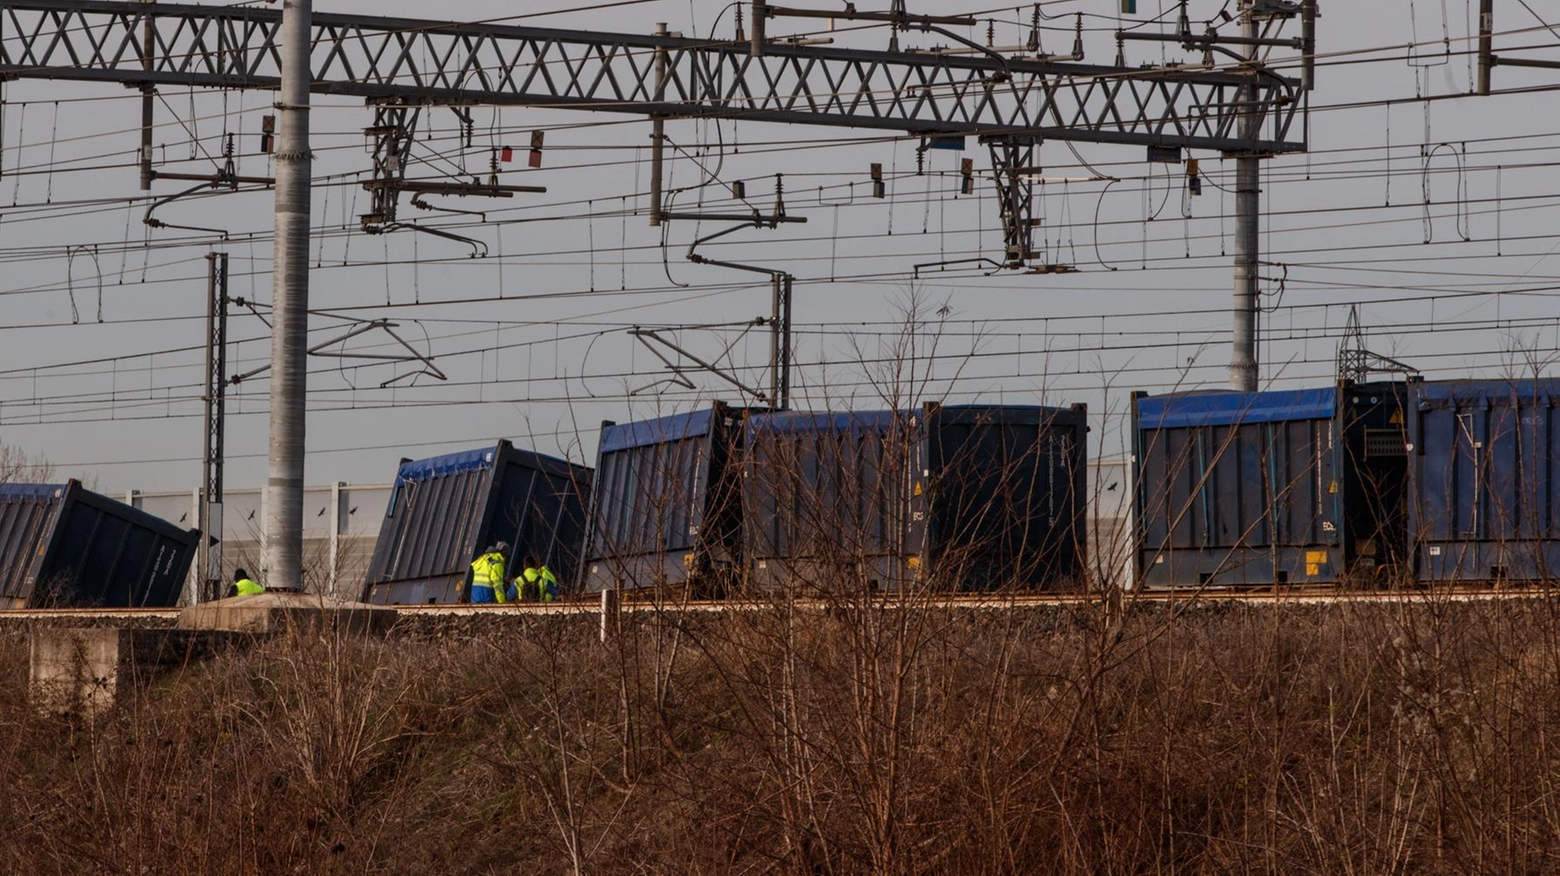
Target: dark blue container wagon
{"points": [[665, 509], [1484, 504], [445, 509], [947, 497], [64, 545], [1271, 488]]}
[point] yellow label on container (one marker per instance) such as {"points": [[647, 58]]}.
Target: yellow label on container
{"points": [[1396, 419], [1314, 561]]}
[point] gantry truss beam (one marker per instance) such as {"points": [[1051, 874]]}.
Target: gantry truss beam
{"points": [[450, 63]]}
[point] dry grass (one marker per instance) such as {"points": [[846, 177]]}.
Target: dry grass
{"points": [[1346, 739]]}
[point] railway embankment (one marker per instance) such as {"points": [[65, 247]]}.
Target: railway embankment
{"points": [[1415, 733]]}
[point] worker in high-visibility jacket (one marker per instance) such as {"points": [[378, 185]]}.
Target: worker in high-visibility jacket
{"points": [[243, 585], [487, 575], [537, 582]]}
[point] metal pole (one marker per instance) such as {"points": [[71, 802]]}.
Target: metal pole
{"points": [[283, 565], [209, 558], [1308, 44], [756, 31], [776, 282], [783, 395], [657, 131], [147, 91], [1486, 43], [1243, 355]]}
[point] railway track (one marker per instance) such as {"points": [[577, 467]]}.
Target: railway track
{"points": [[962, 601]]}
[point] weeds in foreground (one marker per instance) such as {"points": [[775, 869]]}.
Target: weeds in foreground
{"points": [[867, 738]]}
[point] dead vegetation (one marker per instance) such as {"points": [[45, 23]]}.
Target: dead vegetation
{"points": [[1348, 738]]}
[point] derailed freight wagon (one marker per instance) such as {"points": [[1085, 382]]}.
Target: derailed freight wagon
{"points": [[951, 497], [444, 510], [665, 505], [1484, 501], [64, 545], [1271, 488]]}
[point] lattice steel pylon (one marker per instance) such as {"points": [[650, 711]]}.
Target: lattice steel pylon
{"points": [[1356, 363], [208, 565], [1013, 168]]}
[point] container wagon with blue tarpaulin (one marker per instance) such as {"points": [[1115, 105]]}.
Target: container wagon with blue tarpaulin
{"points": [[665, 506], [1484, 501], [951, 497], [64, 545], [445, 510], [1271, 488]]}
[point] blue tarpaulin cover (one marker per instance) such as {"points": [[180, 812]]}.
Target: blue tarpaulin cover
{"points": [[1225, 408], [660, 430], [1442, 391], [25, 492], [448, 464]]}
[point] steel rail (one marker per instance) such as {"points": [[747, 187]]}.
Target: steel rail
{"points": [[1302, 596]]}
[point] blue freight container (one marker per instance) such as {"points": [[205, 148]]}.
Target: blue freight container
{"points": [[444, 510], [665, 509], [1485, 483], [955, 497], [1270, 488], [64, 545]]}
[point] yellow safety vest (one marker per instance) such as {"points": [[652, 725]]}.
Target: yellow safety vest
{"points": [[488, 571], [246, 587], [541, 578]]}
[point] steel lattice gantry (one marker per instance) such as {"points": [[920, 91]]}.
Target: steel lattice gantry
{"points": [[441, 62]]}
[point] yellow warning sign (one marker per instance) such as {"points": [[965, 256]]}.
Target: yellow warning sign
{"points": [[1332, 487], [1396, 419], [918, 488]]}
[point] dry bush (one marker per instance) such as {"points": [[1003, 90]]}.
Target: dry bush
{"points": [[869, 736]]}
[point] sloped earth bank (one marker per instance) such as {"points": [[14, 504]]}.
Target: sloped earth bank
{"points": [[1351, 738]]}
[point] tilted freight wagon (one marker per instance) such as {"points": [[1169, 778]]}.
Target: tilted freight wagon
{"points": [[444, 510], [1270, 488], [1484, 501], [955, 497], [64, 545], [665, 504]]}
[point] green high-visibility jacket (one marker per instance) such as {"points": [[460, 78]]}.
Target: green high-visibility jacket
{"points": [[488, 571], [540, 581], [247, 587]]}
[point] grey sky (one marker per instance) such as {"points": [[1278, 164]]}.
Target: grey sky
{"points": [[544, 368]]}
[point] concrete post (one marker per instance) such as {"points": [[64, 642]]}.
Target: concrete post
{"points": [[1243, 353], [283, 566], [611, 614]]}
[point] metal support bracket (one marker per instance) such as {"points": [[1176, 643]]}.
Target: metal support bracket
{"points": [[411, 355]]}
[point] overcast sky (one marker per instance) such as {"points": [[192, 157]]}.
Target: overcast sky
{"points": [[533, 336]]}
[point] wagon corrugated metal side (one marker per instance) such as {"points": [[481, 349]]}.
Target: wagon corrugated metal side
{"points": [[957, 497], [445, 509], [1485, 484], [1270, 488], [664, 509], [64, 545]]}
